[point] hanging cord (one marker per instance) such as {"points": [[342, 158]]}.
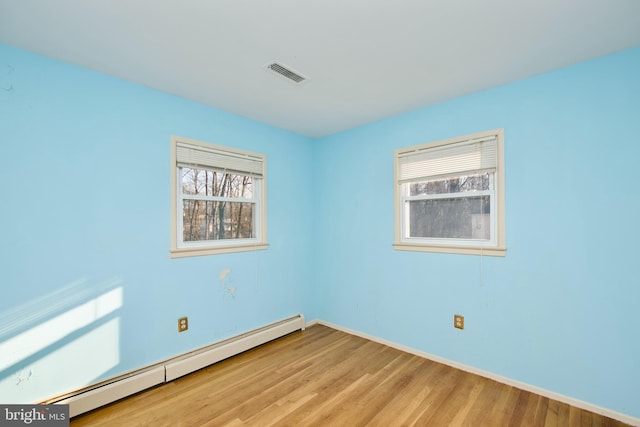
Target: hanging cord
{"points": [[258, 255], [481, 268], [486, 291]]}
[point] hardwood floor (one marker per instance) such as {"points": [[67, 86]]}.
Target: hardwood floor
{"points": [[324, 377]]}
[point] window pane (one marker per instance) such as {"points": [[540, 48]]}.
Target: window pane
{"points": [[456, 184], [206, 182], [214, 220], [459, 218]]}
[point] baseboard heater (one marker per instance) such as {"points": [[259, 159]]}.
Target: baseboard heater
{"points": [[109, 391]]}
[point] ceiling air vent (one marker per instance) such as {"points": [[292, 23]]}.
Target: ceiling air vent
{"points": [[286, 72]]}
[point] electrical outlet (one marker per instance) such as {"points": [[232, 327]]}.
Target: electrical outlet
{"points": [[458, 321], [183, 324]]}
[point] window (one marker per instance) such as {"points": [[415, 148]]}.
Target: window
{"points": [[217, 199], [449, 196]]}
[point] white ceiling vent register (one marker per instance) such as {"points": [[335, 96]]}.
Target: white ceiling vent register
{"points": [[286, 72]]}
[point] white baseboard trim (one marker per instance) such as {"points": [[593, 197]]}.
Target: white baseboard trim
{"points": [[206, 356], [95, 398], [490, 375], [97, 395], [316, 322]]}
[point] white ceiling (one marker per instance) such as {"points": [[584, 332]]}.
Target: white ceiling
{"points": [[365, 59]]}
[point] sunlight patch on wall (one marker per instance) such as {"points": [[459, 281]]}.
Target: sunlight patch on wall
{"points": [[71, 366], [49, 332], [49, 351]]}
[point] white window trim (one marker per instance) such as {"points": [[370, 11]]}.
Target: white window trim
{"points": [[495, 247], [179, 249]]}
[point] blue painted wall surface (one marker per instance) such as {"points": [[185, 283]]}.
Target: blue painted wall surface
{"points": [[84, 185], [560, 310]]}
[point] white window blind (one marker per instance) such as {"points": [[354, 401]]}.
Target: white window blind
{"points": [[477, 155], [195, 156]]}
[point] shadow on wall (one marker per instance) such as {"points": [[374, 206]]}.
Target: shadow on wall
{"points": [[59, 342]]}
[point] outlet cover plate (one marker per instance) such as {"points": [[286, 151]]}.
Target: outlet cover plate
{"points": [[183, 324], [458, 321]]}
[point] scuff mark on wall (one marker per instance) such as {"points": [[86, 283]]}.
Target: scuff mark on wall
{"points": [[224, 273], [227, 284], [23, 376], [7, 86]]}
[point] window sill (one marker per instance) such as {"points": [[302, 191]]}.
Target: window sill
{"points": [[464, 250], [189, 252]]}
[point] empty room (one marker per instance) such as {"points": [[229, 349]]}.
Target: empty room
{"points": [[320, 213]]}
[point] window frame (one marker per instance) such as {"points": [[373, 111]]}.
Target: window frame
{"points": [[179, 248], [493, 247]]}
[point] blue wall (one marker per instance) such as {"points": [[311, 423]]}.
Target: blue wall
{"points": [[84, 185], [85, 214], [560, 310]]}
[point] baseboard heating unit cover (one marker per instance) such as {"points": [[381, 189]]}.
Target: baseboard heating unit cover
{"points": [[103, 393]]}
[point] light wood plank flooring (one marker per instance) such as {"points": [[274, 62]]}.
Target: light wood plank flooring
{"points": [[324, 377]]}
